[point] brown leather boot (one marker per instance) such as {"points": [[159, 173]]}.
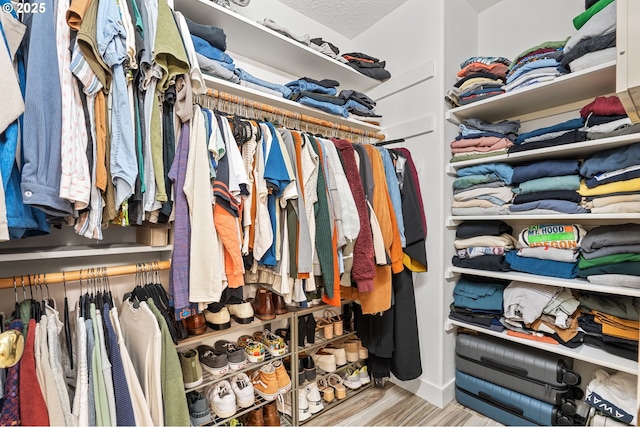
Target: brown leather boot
{"points": [[279, 304], [255, 418], [263, 305], [196, 324], [271, 415]]}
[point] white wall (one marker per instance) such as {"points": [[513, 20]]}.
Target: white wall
{"points": [[509, 27]]}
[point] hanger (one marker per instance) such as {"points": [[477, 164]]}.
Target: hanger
{"points": [[16, 312], [67, 321]]}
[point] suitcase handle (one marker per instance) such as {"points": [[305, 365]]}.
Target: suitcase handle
{"points": [[507, 368], [506, 406]]}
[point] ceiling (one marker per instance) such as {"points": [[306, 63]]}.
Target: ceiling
{"points": [[357, 15]]}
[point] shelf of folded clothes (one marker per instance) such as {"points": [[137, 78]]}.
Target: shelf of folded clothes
{"points": [[584, 352], [577, 283], [543, 99], [284, 103], [265, 45], [613, 218]]}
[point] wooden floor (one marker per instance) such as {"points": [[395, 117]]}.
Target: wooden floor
{"points": [[394, 406]]}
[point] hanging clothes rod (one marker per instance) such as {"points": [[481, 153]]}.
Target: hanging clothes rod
{"points": [[84, 274], [393, 141], [214, 93]]}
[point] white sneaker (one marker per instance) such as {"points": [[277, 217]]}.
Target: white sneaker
{"points": [[339, 353], [364, 375], [243, 389], [352, 379], [313, 398], [304, 412], [325, 361], [222, 399]]}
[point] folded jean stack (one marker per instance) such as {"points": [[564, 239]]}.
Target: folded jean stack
{"points": [[562, 133], [482, 244], [610, 255], [548, 250], [482, 190], [478, 301], [547, 187], [480, 77], [479, 138], [595, 39], [610, 323], [531, 309], [535, 65], [611, 180], [323, 94]]}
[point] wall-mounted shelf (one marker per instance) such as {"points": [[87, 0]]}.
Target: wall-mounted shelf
{"points": [[287, 104], [571, 151], [617, 218], [584, 353], [252, 40], [79, 251], [539, 100], [581, 284]]}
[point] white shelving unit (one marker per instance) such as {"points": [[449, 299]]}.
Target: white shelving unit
{"points": [[453, 221], [59, 252], [280, 102], [584, 353], [259, 43], [544, 99]]}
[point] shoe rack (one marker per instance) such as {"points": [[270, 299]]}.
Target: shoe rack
{"points": [[319, 342], [210, 335]]}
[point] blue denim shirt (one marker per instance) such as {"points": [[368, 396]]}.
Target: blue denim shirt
{"points": [[298, 86], [111, 40]]}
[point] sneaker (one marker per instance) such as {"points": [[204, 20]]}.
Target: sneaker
{"points": [[235, 354], [284, 381], [304, 410], [352, 379], [325, 361], [274, 344], [314, 398], [265, 382], [339, 353], [222, 399], [213, 361], [243, 389], [191, 370], [255, 351], [364, 375], [199, 411]]}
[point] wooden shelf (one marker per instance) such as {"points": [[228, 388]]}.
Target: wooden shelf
{"points": [[581, 284], [252, 40], [78, 251], [538, 100], [287, 104], [584, 352], [572, 151], [618, 218]]}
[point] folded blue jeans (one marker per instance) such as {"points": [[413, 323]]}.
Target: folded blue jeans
{"points": [[285, 91], [542, 267], [297, 86]]}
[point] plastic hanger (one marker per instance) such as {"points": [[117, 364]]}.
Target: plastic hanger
{"points": [[67, 321]]}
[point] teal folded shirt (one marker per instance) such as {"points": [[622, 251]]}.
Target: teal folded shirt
{"points": [[566, 182]]}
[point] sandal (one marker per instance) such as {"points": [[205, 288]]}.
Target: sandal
{"points": [[335, 381], [326, 326], [336, 320], [327, 391]]}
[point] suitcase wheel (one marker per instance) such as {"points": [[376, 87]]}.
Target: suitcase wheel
{"points": [[568, 408], [571, 378], [564, 421]]}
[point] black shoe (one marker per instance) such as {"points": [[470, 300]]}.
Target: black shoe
{"points": [[311, 329], [309, 367], [378, 382], [302, 330]]}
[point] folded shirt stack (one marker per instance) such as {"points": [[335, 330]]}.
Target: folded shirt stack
{"points": [[480, 77], [482, 190], [535, 65], [547, 187], [595, 39], [478, 301], [611, 323], [566, 132], [548, 250], [479, 138], [611, 180], [316, 43], [535, 309], [481, 245], [365, 64], [610, 255], [605, 117]]}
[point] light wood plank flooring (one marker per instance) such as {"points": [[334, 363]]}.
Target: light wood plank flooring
{"points": [[394, 406]]}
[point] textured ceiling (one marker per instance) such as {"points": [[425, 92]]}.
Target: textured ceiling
{"points": [[348, 18]]}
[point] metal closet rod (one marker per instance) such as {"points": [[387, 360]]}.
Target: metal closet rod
{"points": [[214, 93], [84, 274]]}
